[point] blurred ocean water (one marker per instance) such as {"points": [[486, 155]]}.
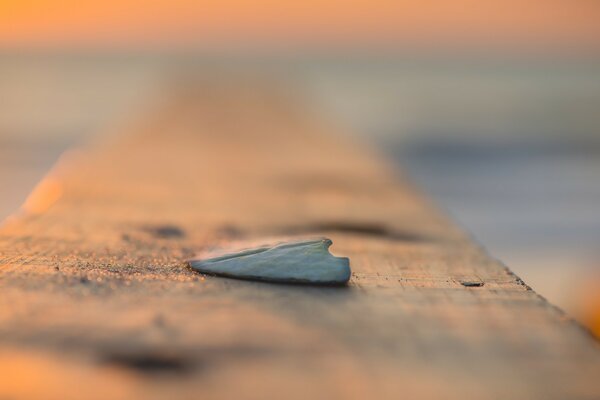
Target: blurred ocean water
{"points": [[510, 148]]}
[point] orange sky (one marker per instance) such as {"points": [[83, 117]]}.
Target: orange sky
{"points": [[44, 23]]}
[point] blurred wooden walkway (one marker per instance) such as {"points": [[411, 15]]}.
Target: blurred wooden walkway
{"points": [[97, 302]]}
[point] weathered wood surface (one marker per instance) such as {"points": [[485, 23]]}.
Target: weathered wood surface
{"points": [[97, 302]]}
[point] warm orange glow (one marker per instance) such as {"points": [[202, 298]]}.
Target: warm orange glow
{"points": [[30, 375], [46, 193], [239, 22], [590, 314]]}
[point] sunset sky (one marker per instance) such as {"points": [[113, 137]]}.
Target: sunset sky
{"points": [[165, 23]]}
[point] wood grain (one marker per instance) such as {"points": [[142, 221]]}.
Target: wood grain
{"points": [[98, 302]]}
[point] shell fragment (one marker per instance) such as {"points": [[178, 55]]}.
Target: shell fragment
{"points": [[306, 262]]}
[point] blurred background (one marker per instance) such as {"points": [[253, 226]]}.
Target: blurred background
{"points": [[491, 106]]}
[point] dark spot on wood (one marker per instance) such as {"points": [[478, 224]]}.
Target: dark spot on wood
{"points": [[165, 231], [159, 321], [322, 183], [229, 231], [149, 362], [472, 283], [363, 228]]}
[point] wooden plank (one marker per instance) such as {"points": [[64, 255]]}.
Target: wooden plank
{"points": [[97, 301]]}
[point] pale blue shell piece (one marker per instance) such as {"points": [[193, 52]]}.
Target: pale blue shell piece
{"points": [[306, 262]]}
